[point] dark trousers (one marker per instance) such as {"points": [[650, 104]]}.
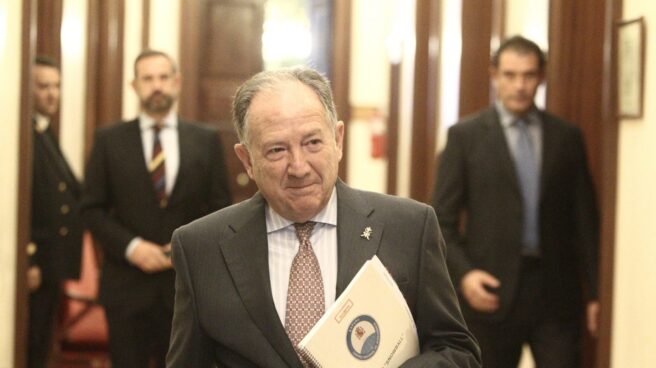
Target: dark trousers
{"points": [[42, 308], [139, 333], [554, 343]]}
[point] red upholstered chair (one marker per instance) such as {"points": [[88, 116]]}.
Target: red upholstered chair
{"points": [[81, 337]]}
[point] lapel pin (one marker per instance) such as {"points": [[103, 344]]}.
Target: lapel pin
{"points": [[366, 233]]}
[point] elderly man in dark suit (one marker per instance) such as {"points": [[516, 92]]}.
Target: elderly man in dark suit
{"points": [[56, 230], [516, 203], [238, 270], [145, 178]]}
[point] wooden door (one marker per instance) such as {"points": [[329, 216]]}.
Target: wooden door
{"points": [[221, 47]]}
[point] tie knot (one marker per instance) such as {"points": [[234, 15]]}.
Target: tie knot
{"points": [[158, 126], [304, 230], [521, 122]]}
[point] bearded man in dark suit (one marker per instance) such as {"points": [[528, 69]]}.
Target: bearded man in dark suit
{"points": [[145, 178], [236, 269], [516, 203]]}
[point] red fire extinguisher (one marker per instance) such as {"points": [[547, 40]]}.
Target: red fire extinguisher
{"points": [[378, 130]]}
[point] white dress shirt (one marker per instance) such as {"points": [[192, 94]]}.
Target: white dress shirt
{"points": [[168, 138], [283, 246], [42, 122]]}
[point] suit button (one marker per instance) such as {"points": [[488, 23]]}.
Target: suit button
{"points": [[63, 231], [163, 203], [31, 249], [62, 186], [64, 209]]}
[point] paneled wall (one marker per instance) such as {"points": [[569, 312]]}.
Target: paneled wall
{"points": [[134, 42], [634, 321], [369, 67], [74, 67]]}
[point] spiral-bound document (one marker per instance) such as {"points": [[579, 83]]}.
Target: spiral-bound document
{"points": [[369, 325]]}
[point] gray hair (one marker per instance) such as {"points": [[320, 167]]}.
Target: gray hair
{"points": [[267, 80]]}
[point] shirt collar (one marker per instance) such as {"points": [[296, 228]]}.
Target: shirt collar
{"points": [[146, 122], [42, 122], [507, 118], [328, 215]]}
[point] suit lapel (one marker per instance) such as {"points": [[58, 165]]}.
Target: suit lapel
{"points": [[246, 256], [185, 144], [501, 148], [549, 145], [353, 248], [135, 162], [51, 152]]}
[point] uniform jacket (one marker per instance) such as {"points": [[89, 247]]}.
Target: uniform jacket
{"points": [[56, 228]]}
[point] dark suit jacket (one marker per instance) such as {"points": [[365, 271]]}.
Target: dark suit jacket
{"points": [[477, 176], [120, 202], [224, 311], [56, 226]]}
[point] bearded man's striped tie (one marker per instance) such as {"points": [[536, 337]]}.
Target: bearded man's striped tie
{"points": [[157, 168]]}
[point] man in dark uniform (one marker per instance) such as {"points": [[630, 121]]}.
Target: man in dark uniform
{"points": [[56, 230]]}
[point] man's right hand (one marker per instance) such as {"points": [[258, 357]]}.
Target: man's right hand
{"points": [[474, 285], [150, 257], [33, 278]]}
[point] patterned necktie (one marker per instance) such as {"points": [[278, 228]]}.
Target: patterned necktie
{"points": [[157, 168], [305, 295], [529, 181]]}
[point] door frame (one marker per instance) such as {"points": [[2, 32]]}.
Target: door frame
{"points": [[28, 52]]}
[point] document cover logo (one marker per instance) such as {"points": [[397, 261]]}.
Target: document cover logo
{"points": [[363, 337]]}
